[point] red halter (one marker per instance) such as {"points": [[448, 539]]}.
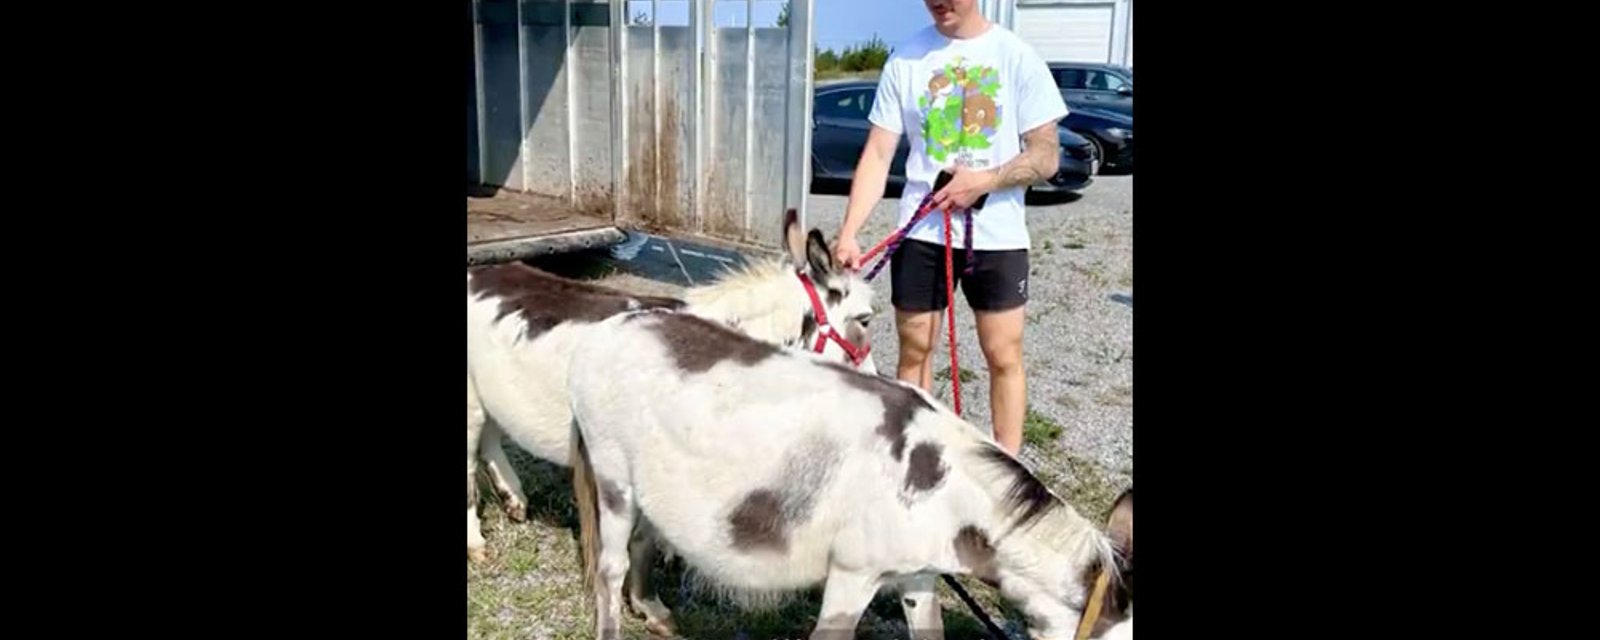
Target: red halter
{"points": [[825, 330]]}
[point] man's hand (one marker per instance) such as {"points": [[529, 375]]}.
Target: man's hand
{"points": [[847, 252], [965, 187]]}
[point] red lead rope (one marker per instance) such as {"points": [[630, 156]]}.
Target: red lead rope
{"points": [[950, 311], [892, 243]]}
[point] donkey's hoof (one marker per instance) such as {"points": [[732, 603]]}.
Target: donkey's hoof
{"points": [[661, 628], [478, 555], [516, 511]]}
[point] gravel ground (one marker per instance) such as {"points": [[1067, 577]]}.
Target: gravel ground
{"points": [[1078, 350]]}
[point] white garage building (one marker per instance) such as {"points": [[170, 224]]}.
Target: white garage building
{"points": [[1070, 30]]}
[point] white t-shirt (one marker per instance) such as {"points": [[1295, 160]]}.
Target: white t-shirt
{"points": [[965, 102]]}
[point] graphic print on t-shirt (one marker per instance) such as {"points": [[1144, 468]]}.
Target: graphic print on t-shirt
{"points": [[959, 113]]}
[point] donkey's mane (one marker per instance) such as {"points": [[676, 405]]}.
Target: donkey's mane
{"points": [[746, 294], [1025, 495], [1031, 504], [754, 274]]}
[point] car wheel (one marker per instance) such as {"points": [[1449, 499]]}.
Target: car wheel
{"points": [[1097, 154]]}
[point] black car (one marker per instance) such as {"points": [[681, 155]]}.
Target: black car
{"points": [[1100, 98], [839, 132], [1110, 132], [1097, 85]]}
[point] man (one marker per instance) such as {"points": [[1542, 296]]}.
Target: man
{"points": [[978, 102]]}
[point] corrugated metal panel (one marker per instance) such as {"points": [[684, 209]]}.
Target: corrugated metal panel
{"points": [[725, 160], [1069, 33], [499, 71], [766, 163], [639, 113], [677, 129], [592, 132], [675, 119], [544, 98]]}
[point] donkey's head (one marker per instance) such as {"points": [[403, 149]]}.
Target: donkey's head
{"points": [[1051, 559], [1116, 606], [838, 301], [1058, 612]]}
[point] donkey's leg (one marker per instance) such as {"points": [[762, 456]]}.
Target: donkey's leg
{"points": [[616, 528], [505, 477], [846, 595], [921, 603], [477, 547], [642, 596]]}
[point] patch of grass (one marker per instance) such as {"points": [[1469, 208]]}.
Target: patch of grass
{"points": [[966, 375], [1074, 245], [1091, 490], [1039, 430], [1048, 246]]}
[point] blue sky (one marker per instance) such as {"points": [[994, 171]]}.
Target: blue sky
{"points": [[840, 23]]}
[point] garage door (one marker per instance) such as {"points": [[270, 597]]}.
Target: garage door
{"points": [[1072, 33]]}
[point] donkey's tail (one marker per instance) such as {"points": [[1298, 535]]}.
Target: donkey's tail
{"points": [[583, 491]]}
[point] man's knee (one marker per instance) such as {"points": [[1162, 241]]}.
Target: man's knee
{"points": [[916, 336], [1000, 336], [1004, 358]]}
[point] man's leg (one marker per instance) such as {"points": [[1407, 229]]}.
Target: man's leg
{"points": [[916, 276], [1000, 335], [918, 330], [998, 294]]}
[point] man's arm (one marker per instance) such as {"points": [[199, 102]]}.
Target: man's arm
{"points": [[872, 173], [1039, 160]]}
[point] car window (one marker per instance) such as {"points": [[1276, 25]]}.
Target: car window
{"points": [[845, 104], [1068, 78], [1103, 81]]}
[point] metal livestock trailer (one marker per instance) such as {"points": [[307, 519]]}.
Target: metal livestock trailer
{"points": [[587, 118]]}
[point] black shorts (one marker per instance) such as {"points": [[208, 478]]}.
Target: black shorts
{"points": [[999, 280]]}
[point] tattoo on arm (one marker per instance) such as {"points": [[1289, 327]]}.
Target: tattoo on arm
{"points": [[1038, 160]]}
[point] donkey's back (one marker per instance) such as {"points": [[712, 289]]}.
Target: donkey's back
{"points": [[522, 324], [751, 459]]}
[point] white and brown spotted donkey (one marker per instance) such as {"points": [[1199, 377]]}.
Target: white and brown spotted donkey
{"points": [[523, 324], [771, 471]]}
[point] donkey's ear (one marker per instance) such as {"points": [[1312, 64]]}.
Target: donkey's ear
{"points": [[794, 238], [1119, 525], [818, 255]]}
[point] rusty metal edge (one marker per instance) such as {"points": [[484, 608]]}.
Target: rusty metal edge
{"points": [[511, 249]]}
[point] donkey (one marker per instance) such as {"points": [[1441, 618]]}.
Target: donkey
{"points": [[769, 471], [522, 325]]}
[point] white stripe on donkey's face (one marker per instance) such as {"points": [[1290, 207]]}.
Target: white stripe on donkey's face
{"points": [[522, 325], [770, 471]]}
